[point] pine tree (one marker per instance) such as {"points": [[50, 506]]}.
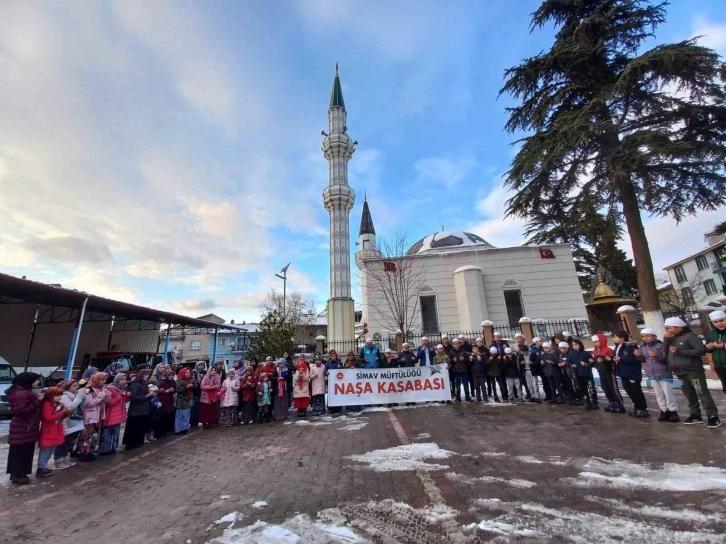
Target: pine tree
{"points": [[274, 339], [615, 127]]}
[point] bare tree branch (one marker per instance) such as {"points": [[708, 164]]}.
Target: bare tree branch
{"points": [[298, 311], [395, 280], [684, 295]]}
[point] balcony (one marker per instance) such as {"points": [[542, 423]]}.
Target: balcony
{"points": [[718, 267]]}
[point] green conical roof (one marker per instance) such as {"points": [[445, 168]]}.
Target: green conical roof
{"points": [[336, 97]]}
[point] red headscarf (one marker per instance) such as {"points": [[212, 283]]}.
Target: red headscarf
{"points": [[185, 374], [52, 392]]}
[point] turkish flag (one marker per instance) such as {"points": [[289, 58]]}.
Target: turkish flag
{"points": [[389, 266], [546, 253]]}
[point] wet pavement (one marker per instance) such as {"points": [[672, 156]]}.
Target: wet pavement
{"points": [[433, 473]]}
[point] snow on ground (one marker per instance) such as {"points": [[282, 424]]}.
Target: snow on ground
{"points": [[386, 409], [259, 504], [4, 427], [354, 426], [406, 457], [422, 436], [351, 424], [225, 497], [228, 518], [532, 519], [624, 474], [550, 460], [515, 482], [646, 510]]}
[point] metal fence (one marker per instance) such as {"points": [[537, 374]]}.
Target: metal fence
{"points": [[548, 329], [686, 314]]}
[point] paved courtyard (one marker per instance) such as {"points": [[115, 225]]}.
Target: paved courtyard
{"points": [[434, 473]]}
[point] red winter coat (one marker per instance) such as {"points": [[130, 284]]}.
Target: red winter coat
{"points": [[115, 412], [25, 425], [51, 429]]}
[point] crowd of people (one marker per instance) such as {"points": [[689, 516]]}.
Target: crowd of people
{"points": [[81, 419]]}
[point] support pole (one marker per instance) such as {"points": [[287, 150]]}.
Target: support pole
{"points": [[31, 339], [110, 333], [74, 340], [166, 343], [214, 349]]}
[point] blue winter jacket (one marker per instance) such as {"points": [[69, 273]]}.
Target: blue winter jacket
{"points": [[421, 355], [628, 366], [370, 357], [580, 357]]}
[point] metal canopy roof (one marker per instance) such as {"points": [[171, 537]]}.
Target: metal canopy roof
{"points": [[17, 290]]}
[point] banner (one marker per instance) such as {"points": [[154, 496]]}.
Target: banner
{"points": [[363, 386]]}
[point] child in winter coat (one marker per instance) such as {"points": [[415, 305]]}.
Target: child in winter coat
{"points": [[494, 375], [460, 361], [52, 414], [605, 366], [263, 398], [628, 368], [478, 373], [583, 368], [301, 384], [650, 352], [716, 344], [248, 385], [282, 402], [317, 384], [72, 399], [184, 401], [93, 414], [230, 399], [551, 360], [114, 416], [525, 372], [155, 415], [510, 370]]}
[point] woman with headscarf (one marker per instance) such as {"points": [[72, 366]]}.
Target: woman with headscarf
{"points": [[351, 362], [197, 377], [317, 383], [137, 423], [248, 386], [255, 366], [211, 384], [280, 402], [270, 368], [229, 394], [184, 399], [301, 390], [112, 370], [52, 414], [159, 371], [24, 426], [115, 415], [167, 388], [72, 399], [93, 413]]}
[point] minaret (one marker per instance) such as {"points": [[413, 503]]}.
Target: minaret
{"points": [[338, 199], [366, 250]]}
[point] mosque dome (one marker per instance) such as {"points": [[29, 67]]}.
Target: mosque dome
{"points": [[449, 240]]}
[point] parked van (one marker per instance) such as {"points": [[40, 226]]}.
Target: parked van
{"points": [[7, 373]]}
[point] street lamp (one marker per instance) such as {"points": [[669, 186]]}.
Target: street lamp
{"points": [[283, 276]]}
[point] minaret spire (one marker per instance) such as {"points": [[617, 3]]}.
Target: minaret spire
{"points": [[366, 221], [338, 199]]}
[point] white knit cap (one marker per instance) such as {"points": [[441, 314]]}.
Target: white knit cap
{"points": [[406, 345], [493, 350], [461, 336], [519, 335], [563, 345], [440, 346], [479, 340], [456, 341], [388, 350], [648, 331], [369, 339], [444, 336], [595, 338], [566, 333], [497, 334], [424, 338], [546, 345], [718, 314], [675, 322], [507, 350], [536, 339]]}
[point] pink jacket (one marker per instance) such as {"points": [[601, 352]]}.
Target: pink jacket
{"points": [[93, 406], [300, 382], [210, 389], [317, 379], [115, 408]]}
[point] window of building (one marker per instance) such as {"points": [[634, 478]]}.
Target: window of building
{"points": [[429, 314], [710, 287], [687, 296], [515, 306], [702, 262], [680, 274], [195, 344], [221, 341]]}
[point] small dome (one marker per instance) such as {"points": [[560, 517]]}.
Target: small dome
{"points": [[449, 240]]}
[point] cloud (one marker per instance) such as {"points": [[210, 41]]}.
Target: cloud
{"points": [[69, 249], [446, 171], [494, 227], [712, 35]]}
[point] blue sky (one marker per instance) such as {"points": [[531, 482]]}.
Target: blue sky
{"points": [[168, 153]]}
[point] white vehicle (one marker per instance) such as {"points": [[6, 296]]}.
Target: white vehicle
{"points": [[7, 373]]}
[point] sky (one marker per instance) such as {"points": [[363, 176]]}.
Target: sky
{"points": [[168, 153]]}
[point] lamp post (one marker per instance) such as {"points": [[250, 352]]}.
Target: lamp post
{"points": [[283, 276]]}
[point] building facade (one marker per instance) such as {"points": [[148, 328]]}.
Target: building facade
{"points": [[463, 280], [232, 341], [699, 280]]}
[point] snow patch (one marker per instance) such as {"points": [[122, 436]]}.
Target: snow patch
{"points": [[624, 474], [566, 525], [259, 504], [421, 436], [387, 409], [645, 510], [228, 518], [493, 454], [406, 457], [354, 426], [225, 497], [515, 482], [536, 460]]}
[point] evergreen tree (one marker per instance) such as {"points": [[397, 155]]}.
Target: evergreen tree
{"points": [[720, 228], [612, 126], [274, 339]]}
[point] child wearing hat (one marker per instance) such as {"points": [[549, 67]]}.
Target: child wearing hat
{"points": [[603, 356], [629, 370], [551, 361], [716, 344], [684, 351], [510, 370], [494, 375], [479, 374], [525, 373], [650, 353]]}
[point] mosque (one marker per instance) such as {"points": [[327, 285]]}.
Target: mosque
{"points": [[462, 279]]}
